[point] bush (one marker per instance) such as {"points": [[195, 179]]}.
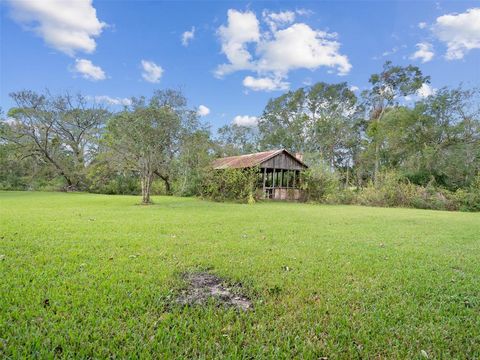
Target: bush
{"points": [[391, 190], [469, 200], [319, 184], [103, 179], [230, 184]]}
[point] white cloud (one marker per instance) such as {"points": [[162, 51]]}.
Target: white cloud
{"points": [[425, 91], [280, 19], [391, 52], [242, 29], [300, 46], [460, 32], [68, 26], [188, 36], [203, 110], [88, 70], [245, 120], [273, 53], [113, 101], [422, 25], [424, 52], [304, 12], [151, 71], [265, 84], [354, 88]]}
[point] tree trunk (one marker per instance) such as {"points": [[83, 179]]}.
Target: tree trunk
{"points": [[347, 180], [376, 169], [166, 180], [68, 179], [377, 163], [168, 187], [146, 188]]}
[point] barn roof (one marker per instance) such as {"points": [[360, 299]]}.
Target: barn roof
{"points": [[249, 160]]}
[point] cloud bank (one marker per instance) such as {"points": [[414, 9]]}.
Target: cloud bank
{"points": [[67, 26], [276, 49]]}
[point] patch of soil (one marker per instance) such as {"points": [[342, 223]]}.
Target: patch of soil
{"points": [[204, 286]]}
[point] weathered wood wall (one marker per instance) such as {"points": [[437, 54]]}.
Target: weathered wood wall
{"points": [[282, 161]]}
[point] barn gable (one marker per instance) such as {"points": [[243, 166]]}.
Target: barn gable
{"points": [[283, 160]]}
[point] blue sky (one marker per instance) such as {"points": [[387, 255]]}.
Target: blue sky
{"points": [[235, 55]]}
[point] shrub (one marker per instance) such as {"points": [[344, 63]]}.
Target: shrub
{"points": [[391, 190], [319, 183], [230, 184], [469, 200], [103, 179]]}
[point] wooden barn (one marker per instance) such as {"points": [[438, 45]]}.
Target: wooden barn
{"points": [[279, 172]]}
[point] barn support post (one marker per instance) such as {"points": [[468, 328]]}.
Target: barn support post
{"points": [[264, 180], [274, 173]]}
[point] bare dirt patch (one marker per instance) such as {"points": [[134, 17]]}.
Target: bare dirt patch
{"points": [[203, 287]]}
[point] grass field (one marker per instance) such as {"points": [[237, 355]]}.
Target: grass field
{"points": [[86, 275]]}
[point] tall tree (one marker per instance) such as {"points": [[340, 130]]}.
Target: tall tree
{"points": [[387, 89], [236, 139], [61, 131], [284, 121], [317, 120], [332, 112], [438, 139], [147, 137], [455, 146], [197, 153]]}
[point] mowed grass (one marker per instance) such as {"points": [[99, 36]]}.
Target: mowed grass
{"points": [[325, 281]]}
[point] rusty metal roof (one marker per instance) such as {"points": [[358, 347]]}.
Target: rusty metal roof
{"points": [[249, 160]]}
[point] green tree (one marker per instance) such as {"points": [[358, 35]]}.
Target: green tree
{"points": [[61, 131], [332, 113], [387, 89], [195, 156], [438, 139], [320, 121], [236, 139], [283, 123], [147, 137]]}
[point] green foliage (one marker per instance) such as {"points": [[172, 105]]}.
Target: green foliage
{"points": [[392, 190], [396, 81], [60, 132], [195, 155], [237, 140], [439, 138], [319, 183], [387, 89], [319, 119], [147, 137], [104, 179], [469, 200], [230, 184]]}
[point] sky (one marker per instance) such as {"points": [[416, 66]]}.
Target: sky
{"points": [[229, 58]]}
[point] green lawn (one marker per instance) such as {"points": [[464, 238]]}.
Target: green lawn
{"points": [[363, 282]]}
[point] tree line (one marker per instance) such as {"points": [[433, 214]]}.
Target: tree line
{"points": [[356, 146]]}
